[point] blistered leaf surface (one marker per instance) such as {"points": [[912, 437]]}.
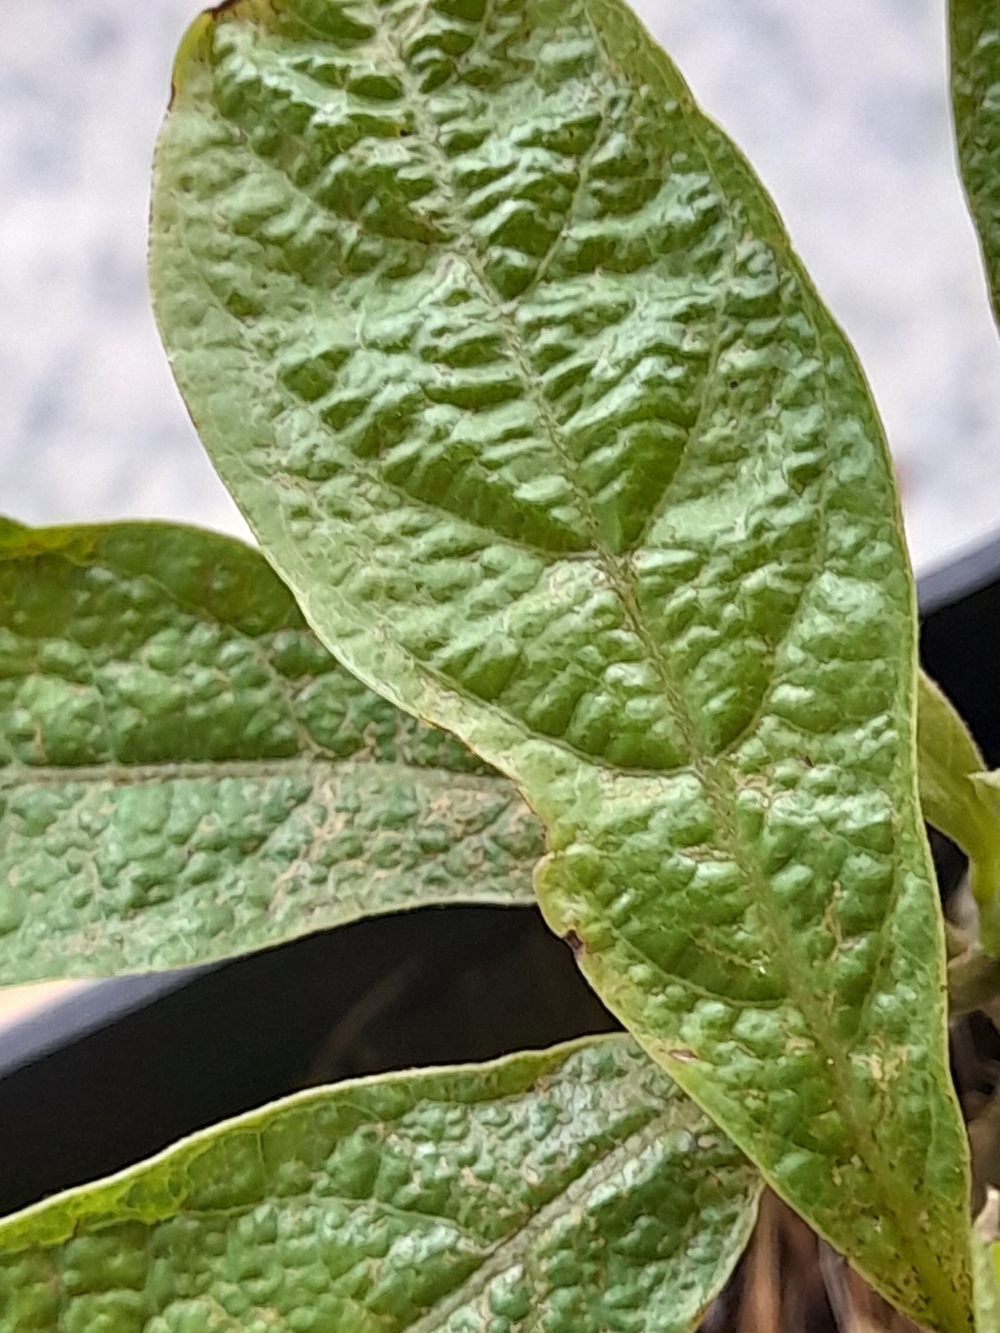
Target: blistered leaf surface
{"points": [[186, 773], [501, 347], [975, 91], [577, 1191]]}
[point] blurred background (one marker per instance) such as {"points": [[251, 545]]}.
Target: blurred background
{"points": [[844, 113]]}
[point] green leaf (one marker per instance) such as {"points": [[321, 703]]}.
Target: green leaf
{"points": [[576, 1189], [11, 530], [986, 1265], [947, 756], [984, 875], [986, 1270], [502, 349], [956, 799], [186, 773], [975, 94], [988, 787]]}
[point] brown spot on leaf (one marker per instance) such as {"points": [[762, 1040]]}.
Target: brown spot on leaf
{"points": [[575, 943], [685, 1056]]}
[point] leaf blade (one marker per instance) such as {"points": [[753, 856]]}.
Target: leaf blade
{"points": [[955, 798], [590, 476], [185, 773], [392, 1204], [947, 756], [975, 76]]}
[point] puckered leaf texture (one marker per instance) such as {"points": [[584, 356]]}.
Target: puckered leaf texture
{"points": [[186, 773], [975, 92], [502, 349], [577, 1190]]}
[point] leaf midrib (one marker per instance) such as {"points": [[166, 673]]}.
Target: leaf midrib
{"points": [[519, 1241], [800, 992], [705, 766], [713, 779], [15, 776], [495, 1259], [715, 789]]}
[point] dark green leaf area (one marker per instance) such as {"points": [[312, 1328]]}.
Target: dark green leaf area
{"points": [[975, 91], [186, 773], [576, 1190]]}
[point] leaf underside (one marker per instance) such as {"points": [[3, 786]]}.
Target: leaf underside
{"points": [[975, 94], [986, 1270], [947, 757], [957, 799], [573, 1190], [501, 348], [186, 773]]}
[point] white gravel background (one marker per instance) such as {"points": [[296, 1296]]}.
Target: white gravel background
{"points": [[844, 113]]}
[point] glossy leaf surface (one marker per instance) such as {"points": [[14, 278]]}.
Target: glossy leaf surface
{"points": [[186, 773], [502, 349], [975, 93], [957, 799], [576, 1189]]}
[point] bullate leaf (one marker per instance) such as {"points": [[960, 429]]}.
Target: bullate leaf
{"points": [[957, 799], [503, 351], [186, 773], [575, 1189], [975, 94]]}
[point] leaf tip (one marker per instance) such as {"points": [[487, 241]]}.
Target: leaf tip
{"points": [[195, 45], [193, 49]]}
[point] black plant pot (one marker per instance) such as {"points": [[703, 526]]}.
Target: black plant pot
{"points": [[110, 1076], [960, 640]]}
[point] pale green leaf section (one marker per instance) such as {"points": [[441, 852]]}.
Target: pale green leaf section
{"points": [[502, 349], [947, 756], [986, 1265], [985, 1270], [984, 874], [958, 799], [576, 1191], [185, 773], [975, 94]]}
